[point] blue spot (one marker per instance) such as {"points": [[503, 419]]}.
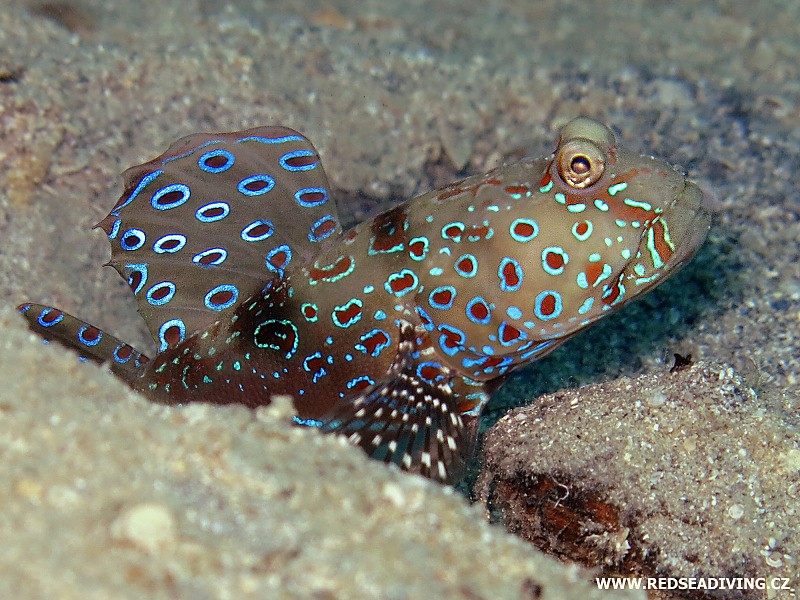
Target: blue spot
{"points": [[356, 380], [307, 422], [266, 140], [229, 160], [268, 182], [514, 312], [114, 229], [181, 188]]}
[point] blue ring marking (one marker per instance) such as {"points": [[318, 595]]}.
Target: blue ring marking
{"points": [[86, 342], [523, 238], [24, 308], [473, 302], [298, 195], [158, 287], [44, 313], [352, 320], [425, 247], [443, 288], [180, 238], [457, 237], [295, 154], [400, 275], [138, 234], [555, 250], [467, 274], [174, 187], [435, 365], [379, 348], [140, 268], [225, 287], [318, 238], [163, 329], [114, 229], [221, 251], [201, 162], [226, 210], [276, 250], [119, 360], [257, 238], [356, 380], [443, 338], [143, 183], [517, 269], [523, 336], [266, 140], [537, 307], [585, 236], [265, 178]]}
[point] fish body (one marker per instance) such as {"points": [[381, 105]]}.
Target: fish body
{"points": [[393, 332]]}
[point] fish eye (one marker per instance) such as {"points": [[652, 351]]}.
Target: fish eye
{"points": [[580, 163]]}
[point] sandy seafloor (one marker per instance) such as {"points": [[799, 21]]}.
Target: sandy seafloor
{"points": [[106, 496]]}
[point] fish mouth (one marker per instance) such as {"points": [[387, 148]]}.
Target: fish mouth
{"points": [[689, 221]]}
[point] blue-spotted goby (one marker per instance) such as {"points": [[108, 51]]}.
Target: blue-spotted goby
{"points": [[393, 332]]}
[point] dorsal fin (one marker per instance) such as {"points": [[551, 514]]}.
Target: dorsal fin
{"points": [[208, 222], [411, 418], [91, 343]]}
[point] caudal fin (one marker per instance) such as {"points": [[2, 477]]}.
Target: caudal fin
{"points": [[87, 340]]}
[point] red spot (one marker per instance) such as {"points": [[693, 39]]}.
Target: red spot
{"points": [[125, 351], [91, 334], [478, 232], [51, 316], [172, 336], [388, 230], [554, 260], [314, 364], [312, 197], [161, 293], [402, 283], [545, 180], [214, 211], [454, 232], [169, 198], [548, 305], [442, 297], [259, 230], [130, 240], [479, 311], [593, 272], [660, 242], [417, 249], [524, 230], [170, 244], [324, 228], [509, 333], [429, 372], [217, 161], [347, 314], [467, 406], [581, 228], [302, 161], [510, 276], [135, 279], [210, 257], [517, 189], [361, 385], [330, 272], [491, 361], [309, 312], [278, 260], [221, 297], [466, 266], [256, 185], [452, 339], [371, 342]]}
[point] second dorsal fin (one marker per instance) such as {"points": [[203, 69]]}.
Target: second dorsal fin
{"points": [[208, 222]]}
